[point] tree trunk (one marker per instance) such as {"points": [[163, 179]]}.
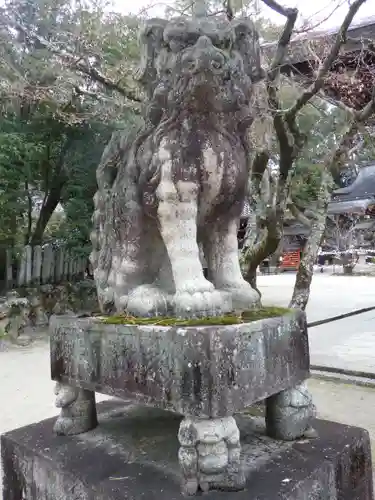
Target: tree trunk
{"points": [[348, 263], [260, 245], [53, 194], [305, 272], [49, 206], [29, 213], [347, 269], [264, 228], [250, 240], [267, 246]]}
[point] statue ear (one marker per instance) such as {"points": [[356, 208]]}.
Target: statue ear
{"points": [[151, 42], [246, 42]]}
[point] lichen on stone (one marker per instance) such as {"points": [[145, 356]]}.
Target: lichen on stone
{"points": [[229, 319]]}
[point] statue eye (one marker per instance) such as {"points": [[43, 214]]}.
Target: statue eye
{"points": [[190, 64], [216, 64], [226, 43]]}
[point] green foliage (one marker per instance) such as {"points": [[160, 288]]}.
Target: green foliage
{"points": [[321, 125], [76, 57], [42, 158], [77, 196], [18, 154], [62, 67], [67, 80]]}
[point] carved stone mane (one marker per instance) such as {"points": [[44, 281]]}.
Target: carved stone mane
{"points": [[178, 182]]}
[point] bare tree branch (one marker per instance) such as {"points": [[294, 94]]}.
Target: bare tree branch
{"points": [[228, 9], [280, 9], [336, 103], [286, 145], [297, 214], [97, 76], [291, 142], [368, 110], [337, 159], [271, 232], [330, 170], [282, 44], [368, 42], [78, 63], [325, 66], [301, 291], [305, 28]]}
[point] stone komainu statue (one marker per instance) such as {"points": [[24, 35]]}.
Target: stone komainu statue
{"points": [[178, 183]]}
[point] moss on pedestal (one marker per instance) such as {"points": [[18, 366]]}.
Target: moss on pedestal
{"points": [[229, 319]]}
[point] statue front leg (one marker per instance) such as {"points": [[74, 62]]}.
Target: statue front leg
{"points": [[221, 250], [128, 266], [78, 410], [177, 216]]}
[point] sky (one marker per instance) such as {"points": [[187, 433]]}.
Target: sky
{"points": [[320, 13]]}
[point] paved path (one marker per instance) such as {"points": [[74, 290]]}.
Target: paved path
{"points": [[330, 295], [26, 389], [347, 404], [347, 343]]}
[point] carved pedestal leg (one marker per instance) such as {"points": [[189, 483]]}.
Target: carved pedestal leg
{"points": [[78, 410], [289, 414], [210, 455]]}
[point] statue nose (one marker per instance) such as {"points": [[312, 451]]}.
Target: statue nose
{"points": [[203, 42], [207, 56]]}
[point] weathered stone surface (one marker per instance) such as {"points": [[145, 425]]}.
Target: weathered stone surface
{"points": [[14, 314], [29, 307], [133, 454], [78, 410], [185, 170], [209, 371]]}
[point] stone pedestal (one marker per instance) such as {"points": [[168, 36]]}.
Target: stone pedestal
{"points": [[133, 454], [206, 373]]}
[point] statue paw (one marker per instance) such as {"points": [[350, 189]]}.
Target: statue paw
{"points": [[310, 433], [64, 426], [243, 296], [147, 300], [197, 285], [201, 304]]}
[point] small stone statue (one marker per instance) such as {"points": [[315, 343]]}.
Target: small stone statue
{"points": [[289, 414], [210, 455], [78, 410], [179, 182]]}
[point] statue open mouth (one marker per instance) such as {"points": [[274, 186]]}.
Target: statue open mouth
{"points": [[203, 90]]}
